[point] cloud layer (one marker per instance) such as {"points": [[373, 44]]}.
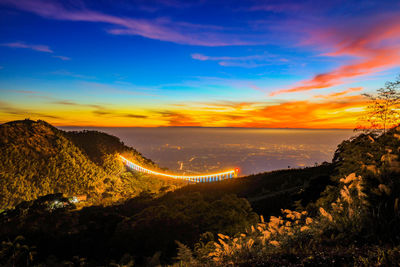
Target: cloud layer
{"points": [[161, 28], [373, 49]]}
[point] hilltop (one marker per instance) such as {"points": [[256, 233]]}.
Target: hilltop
{"points": [[37, 159]]}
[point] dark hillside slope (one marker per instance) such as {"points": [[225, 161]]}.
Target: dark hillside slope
{"points": [[269, 192], [141, 228]]}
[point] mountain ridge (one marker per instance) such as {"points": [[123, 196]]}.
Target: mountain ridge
{"points": [[37, 159]]}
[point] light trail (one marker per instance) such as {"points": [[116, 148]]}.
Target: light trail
{"points": [[191, 178]]}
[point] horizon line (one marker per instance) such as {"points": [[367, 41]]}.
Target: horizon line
{"points": [[181, 126], [206, 127]]}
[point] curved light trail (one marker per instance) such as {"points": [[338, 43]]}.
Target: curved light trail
{"points": [[191, 178]]}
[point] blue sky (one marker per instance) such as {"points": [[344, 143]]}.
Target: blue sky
{"points": [[195, 63]]}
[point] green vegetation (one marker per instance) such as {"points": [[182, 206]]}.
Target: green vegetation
{"points": [[143, 228], [356, 223], [99, 146], [37, 159]]}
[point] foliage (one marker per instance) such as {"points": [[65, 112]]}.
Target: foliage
{"points": [[384, 109], [100, 146], [358, 217], [145, 228], [37, 159], [269, 192], [16, 252]]}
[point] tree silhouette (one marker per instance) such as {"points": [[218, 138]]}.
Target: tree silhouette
{"points": [[384, 110]]}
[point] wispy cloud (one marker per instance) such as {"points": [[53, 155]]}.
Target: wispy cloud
{"points": [[115, 114], [162, 29], [277, 6], [242, 64], [62, 58], [6, 108], [29, 92], [72, 74], [251, 61], [228, 105], [99, 110], [251, 57], [339, 94], [305, 8], [65, 102], [177, 118], [41, 48], [134, 116], [373, 50]]}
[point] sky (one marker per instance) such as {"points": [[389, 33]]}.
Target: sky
{"points": [[149, 63]]}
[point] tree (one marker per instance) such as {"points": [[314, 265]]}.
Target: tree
{"points": [[384, 110]]}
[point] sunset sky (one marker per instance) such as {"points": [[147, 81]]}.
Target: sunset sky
{"points": [[272, 64]]}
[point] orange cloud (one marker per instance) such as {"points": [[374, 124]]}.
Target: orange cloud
{"points": [[376, 50], [340, 113], [337, 94], [175, 118], [306, 114], [336, 112]]}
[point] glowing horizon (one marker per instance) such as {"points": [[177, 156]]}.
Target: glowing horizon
{"points": [[255, 64]]}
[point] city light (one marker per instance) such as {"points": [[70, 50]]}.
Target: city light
{"points": [[192, 178]]}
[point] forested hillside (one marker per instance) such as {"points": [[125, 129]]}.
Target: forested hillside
{"points": [[38, 159]]}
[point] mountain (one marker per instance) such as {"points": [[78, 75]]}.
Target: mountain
{"points": [[340, 213], [37, 159]]}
